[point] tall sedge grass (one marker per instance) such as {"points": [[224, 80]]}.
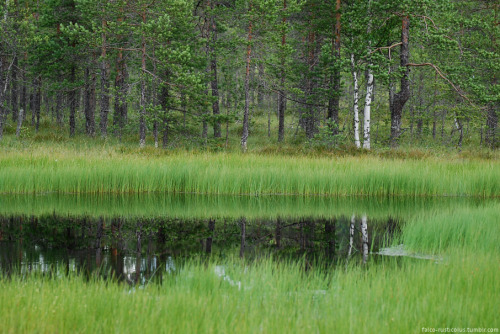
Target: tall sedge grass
{"points": [[267, 297], [237, 174], [455, 228]]}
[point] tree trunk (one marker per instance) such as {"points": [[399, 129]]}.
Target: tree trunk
{"points": [[434, 114], [22, 93], [209, 241], [260, 92], [243, 224], [364, 238], [37, 100], [491, 126], [351, 236], [72, 103], [142, 115], [356, 100], [13, 90], [20, 118], [334, 101], [89, 102], [309, 118], [120, 95], [330, 238], [59, 108], [402, 96], [367, 110], [4, 75], [278, 232], [164, 102], [213, 69], [281, 92], [244, 136], [104, 85], [420, 109]]}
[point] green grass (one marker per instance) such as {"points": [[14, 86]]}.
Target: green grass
{"points": [[451, 228], [97, 171], [274, 298]]}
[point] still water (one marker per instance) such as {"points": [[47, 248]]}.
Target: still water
{"points": [[139, 239]]}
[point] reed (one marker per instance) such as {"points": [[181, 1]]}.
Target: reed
{"points": [[98, 172], [455, 228], [392, 297]]}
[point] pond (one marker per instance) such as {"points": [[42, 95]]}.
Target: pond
{"points": [[140, 239]]}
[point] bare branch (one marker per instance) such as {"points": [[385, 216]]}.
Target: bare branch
{"points": [[438, 71], [385, 47]]}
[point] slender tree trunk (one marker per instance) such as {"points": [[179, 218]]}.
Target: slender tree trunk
{"points": [[351, 236], [59, 108], [364, 238], [104, 103], [14, 90], [334, 101], [420, 116], [4, 75], [72, 103], [402, 96], [120, 96], [22, 93], [268, 122], [37, 100], [32, 102], [154, 97], [142, 116], [278, 232], [491, 126], [89, 101], [281, 92], [460, 129], [434, 114], [356, 101], [164, 101], [260, 92], [244, 136], [209, 241], [369, 92], [492, 113], [243, 224], [367, 109], [20, 118], [213, 69], [310, 85], [330, 231]]}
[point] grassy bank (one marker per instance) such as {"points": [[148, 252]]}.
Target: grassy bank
{"points": [[97, 171]]}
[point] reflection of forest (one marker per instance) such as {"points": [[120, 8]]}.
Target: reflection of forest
{"points": [[138, 250]]}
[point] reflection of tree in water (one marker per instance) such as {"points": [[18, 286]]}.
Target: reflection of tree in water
{"points": [[137, 250]]}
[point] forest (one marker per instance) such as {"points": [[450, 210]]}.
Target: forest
{"points": [[170, 73], [244, 166]]}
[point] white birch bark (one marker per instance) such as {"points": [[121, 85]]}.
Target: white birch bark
{"points": [[367, 110], [364, 237], [369, 90], [356, 102], [351, 236]]}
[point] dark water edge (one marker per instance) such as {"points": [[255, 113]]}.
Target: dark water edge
{"points": [[142, 250]]}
